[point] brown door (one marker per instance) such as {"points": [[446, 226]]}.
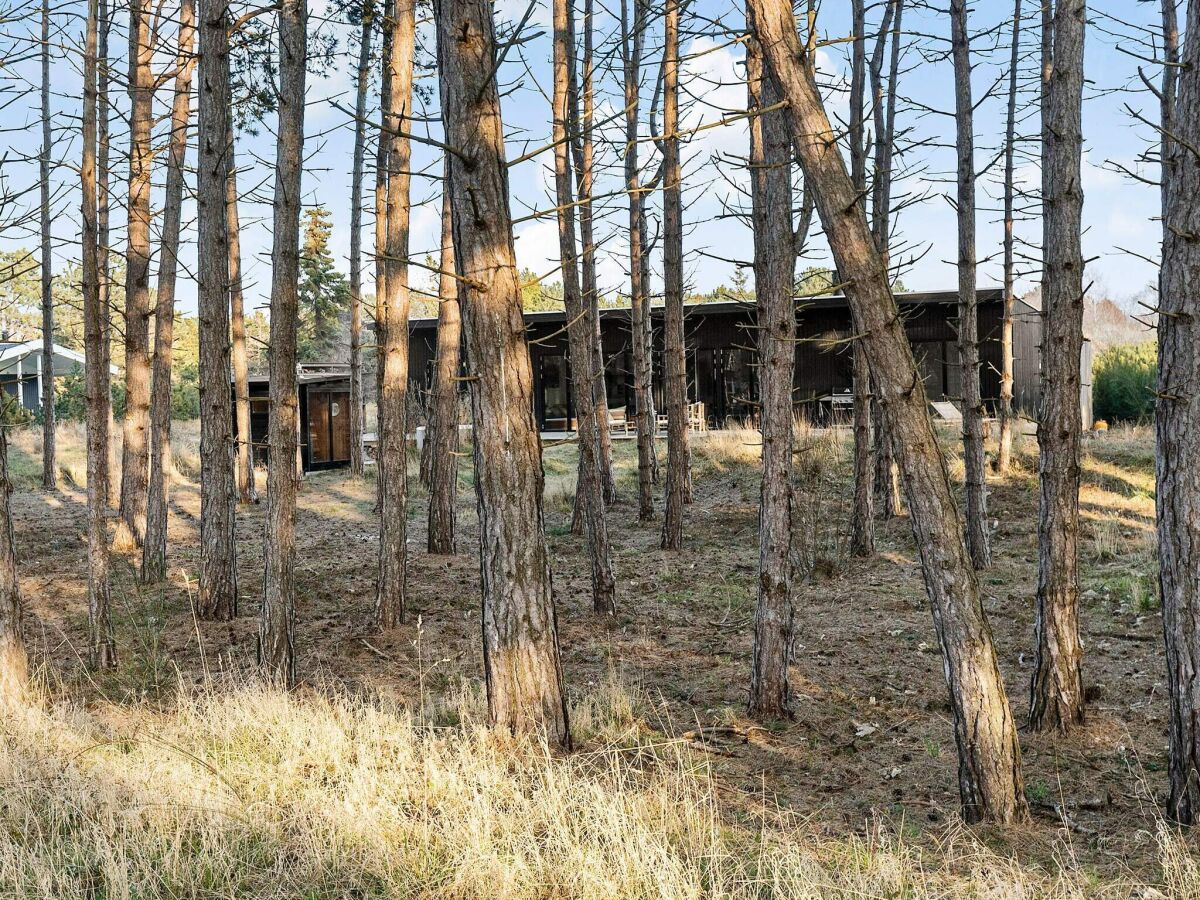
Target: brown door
{"points": [[339, 425], [318, 427]]}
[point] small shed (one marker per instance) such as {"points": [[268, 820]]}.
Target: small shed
{"points": [[21, 369], [324, 395]]}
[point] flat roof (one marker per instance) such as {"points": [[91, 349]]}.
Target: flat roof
{"points": [[718, 307]]}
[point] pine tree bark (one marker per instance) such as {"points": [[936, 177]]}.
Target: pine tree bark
{"points": [[632, 39], [276, 638], [1005, 441], [135, 427], [14, 661], [400, 21], [887, 484], [154, 549], [522, 665], [247, 492], [968, 305], [1056, 694], [362, 85], [774, 274], [102, 650], [218, 594], [443, 449], [674, 361], [862, 516], [1177, 415], [49, 465], [990, 782], [104, 232], [581, 330]]}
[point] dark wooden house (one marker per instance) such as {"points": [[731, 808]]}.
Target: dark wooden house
{"points": [[722, 360], [324, 416]]}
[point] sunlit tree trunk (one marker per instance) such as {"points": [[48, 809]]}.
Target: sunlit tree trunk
{"points": [[154, 549], [276, 639], [674, 360], [237, 330], [393, 343], [103, 173], [990, 782], [362, 84], [639, 327], [102, 650], [774, 271], [1056, 694], [49, 466], [968, 306], [443, 451], [520, 632], [581, 335], [1005, 442], [218, 595], [136, 425], [14, 661]]}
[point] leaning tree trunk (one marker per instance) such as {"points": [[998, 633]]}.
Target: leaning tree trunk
{"points": [[581, 338], [363, 84], [887, 484], [444, 414], [639, 313], [522, 665], [393, 342], [14, 662], [1005, 442], [218, 593], [968, 306], [154, 549], [102, 650], [862, 516], [1056, 694], [774, 272], [276, 640], [990, 782], [674, 361], [136, 425], [237, 330], [1177, 414], [49, 466]]}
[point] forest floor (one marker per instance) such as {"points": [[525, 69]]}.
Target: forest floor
{"points": [[867, 766]]}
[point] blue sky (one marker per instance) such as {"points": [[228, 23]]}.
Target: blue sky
{"points": [[1118, 212]]}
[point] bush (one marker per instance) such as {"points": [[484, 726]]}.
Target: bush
{"points": [[1123, 380]]}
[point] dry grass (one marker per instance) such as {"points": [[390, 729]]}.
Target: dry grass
{"points": [[253, 793]]}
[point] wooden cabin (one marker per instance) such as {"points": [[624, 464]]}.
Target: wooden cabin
{"points": [[324, 415], [722, 365]]}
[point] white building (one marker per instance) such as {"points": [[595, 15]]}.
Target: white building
{"points": [[21, 369]]}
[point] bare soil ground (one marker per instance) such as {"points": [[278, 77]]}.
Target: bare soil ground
{"points": [[871, 739]]}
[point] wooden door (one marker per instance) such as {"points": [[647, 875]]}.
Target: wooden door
{"points": [[318, 427], [339, 425]]}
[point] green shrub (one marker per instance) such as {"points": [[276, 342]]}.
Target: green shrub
{"points": [[1123, 380]]}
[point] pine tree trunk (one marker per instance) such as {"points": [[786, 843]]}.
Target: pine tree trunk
{"points": [[136, 425], [237, 330], [104, 273], [382, 168], [363, 83], [154, 549], [102, 651], [49, 466], [887, 483], [639, 302], [218, 595], [862, 516], [393, 345], [968, 306], [444, 413], [1004, 446], [774, 273], [14, 662], [520, 631], [1177, 417], [1056, 694], [581, 331], [276, 639], [674, 361], [990, 781]]}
